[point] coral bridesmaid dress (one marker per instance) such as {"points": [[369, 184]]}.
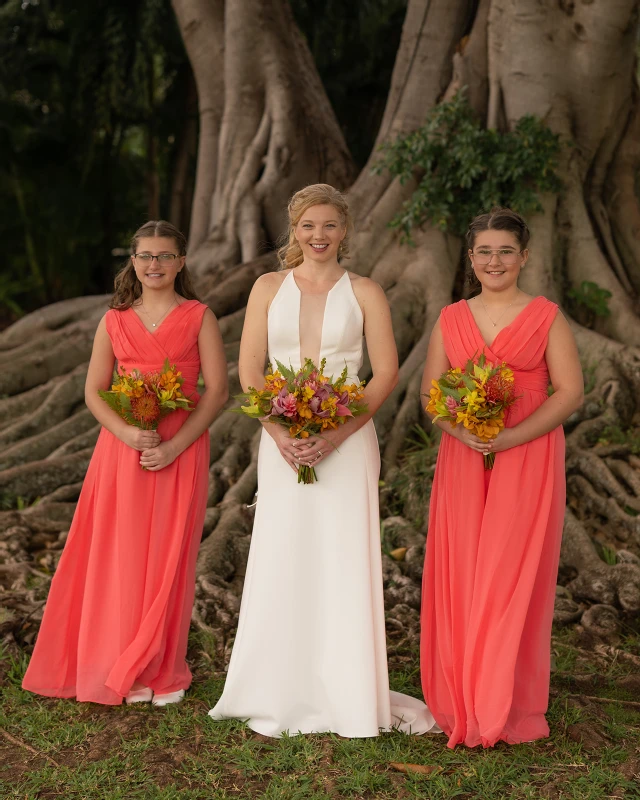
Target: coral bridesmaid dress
{"points": [[120, 602], [492, 554]]}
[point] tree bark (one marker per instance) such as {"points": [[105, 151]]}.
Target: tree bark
{"points": [[266, 129]]}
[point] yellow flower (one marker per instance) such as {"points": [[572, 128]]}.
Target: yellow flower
{"points": [[473, 401], [329, 404]]}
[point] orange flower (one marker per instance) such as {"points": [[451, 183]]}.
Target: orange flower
{"points": [[145, 409]]}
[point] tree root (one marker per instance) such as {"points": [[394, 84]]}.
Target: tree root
{"points": [[28, 747]]}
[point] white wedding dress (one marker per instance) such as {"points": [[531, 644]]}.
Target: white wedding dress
{"points": [[310, 651]]}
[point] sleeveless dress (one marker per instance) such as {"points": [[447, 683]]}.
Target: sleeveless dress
{"points": [[120, 602], [310, 650], [492, 553]]}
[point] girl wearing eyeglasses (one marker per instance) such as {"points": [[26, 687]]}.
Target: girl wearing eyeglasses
{"points": [[494, 535], [117, 617]]}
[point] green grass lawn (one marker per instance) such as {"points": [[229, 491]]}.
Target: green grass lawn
{"points": [[63, 749]]}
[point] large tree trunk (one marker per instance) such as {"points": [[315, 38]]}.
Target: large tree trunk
{"points": [[266, 129]]}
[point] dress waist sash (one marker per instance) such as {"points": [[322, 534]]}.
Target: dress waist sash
{"points": [[533, 380]]}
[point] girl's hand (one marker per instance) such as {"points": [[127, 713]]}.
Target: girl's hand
{"points": [[292, 450], [469, 439], [157, 458], [503, 441], [139, 439]]}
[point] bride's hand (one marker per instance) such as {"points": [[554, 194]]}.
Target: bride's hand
{"points": [[292, 450], [319, 447]]}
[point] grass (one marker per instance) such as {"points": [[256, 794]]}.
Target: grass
{"points": [[63, 749]]}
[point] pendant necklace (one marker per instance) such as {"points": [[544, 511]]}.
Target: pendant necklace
{"points": [[158, 321], [503, 313]]}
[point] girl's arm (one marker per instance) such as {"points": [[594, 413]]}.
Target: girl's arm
{"points": [[437, 363], [100, 377], [565, 372], [383, 356], [213, 366]]}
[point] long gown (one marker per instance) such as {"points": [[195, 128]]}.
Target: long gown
{"points": [[310, 651], [120, 601], [492, 553]]}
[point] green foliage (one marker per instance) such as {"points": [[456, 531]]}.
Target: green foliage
{"points": [[407, 488], [463, 168], [591, 297], [614, 434], [608, 555], [85, 89], [10, 501]]}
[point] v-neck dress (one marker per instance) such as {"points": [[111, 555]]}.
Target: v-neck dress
{"points": [[493, 547], [310, 650], [120, 601]]}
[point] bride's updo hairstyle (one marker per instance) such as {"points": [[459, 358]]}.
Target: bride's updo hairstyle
{"points": [[498, 219], [318, 194], [128, 288]]}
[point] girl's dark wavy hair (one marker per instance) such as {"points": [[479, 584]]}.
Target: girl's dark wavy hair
{"points": [[498, 219], [128, 288]]}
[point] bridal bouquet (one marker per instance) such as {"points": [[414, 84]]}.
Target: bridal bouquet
{"points": [[144, 398], [476, 397], [307, 402]]}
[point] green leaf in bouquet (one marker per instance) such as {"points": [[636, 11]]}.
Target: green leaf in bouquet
{"points": [[451, 391], [288, 373], [469, 383], [112, 399]]}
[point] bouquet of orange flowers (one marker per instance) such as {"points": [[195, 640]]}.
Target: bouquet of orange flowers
{"points": [[476, 397], [307, 402], [143, 399]]}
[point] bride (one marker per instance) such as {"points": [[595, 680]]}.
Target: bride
{"points": [[310, 653]]}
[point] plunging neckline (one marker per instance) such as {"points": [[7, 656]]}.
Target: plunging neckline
{"points": [[324, 314], [155, 332], [506, 327]]}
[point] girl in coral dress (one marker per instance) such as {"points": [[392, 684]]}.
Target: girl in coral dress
{"points": [[494, 535], [117, 617]]}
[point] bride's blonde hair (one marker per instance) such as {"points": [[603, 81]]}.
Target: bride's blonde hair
{"points": [[318, 194]]}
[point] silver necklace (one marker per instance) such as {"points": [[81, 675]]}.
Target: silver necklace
{"points": [[158, 321], [503, 313]]}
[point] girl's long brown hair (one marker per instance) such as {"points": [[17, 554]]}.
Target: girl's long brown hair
{"points": [[128, 288], [318, 194]]}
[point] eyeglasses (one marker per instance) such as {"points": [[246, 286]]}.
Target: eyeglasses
{"points": [[507, 257], [164, 258]]}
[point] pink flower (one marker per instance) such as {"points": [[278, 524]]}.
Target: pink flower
{"points": [[451, 404], [315, 404], [342, 409], [284, 403]]}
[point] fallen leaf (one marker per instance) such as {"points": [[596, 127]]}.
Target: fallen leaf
{"points": [[398, 554], [420, 769]]}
